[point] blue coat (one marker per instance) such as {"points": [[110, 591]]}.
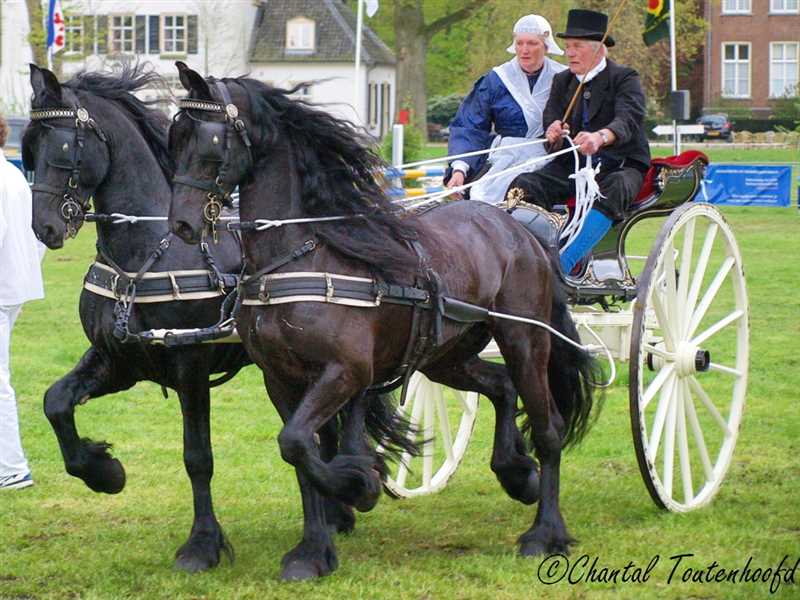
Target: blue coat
{"points": [[488, 103]]}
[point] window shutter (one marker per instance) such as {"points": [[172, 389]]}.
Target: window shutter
{"points": [[102, 34], [140, 34], [191, 37], [89, 35], [154, 23]]}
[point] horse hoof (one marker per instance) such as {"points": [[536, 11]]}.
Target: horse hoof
{"points": [[106, 476], [544, 541], [301, 571], [372, 493], [194, 564], [307, 561]]}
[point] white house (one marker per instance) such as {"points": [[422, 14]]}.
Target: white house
{"points": [[283, 42]]}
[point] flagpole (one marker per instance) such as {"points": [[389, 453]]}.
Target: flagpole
{"points": [[676, 144], [359, 26]]}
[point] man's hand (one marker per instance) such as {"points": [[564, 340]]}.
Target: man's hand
{"points": [[555, 133], [588, 143], [456, 179]]}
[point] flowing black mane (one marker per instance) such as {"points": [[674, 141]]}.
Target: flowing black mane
{"points": [[340, 175], [118, 87]]}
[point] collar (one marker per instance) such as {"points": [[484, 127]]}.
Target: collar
{"points": [[2, 154], [594, 72]]}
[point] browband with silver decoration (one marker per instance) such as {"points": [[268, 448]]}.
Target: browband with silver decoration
{"points": [[200, 105], [62, 113]]}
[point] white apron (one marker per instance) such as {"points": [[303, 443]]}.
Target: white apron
{"points": [[493, 190]]}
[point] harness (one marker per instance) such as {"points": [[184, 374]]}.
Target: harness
{"points": [[214, 134], [71, 139], [107, 278]]}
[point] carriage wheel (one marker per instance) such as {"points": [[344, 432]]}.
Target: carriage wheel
{"points": [[443, 419], [689, 358]]}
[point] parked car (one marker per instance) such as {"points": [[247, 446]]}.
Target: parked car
{"points": [[438, 133], [716, 127]]}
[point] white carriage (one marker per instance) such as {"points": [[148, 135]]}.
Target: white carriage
{"points": [[681, 323]]}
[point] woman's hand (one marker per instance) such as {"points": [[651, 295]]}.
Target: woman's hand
{"points": [[456, 179]]}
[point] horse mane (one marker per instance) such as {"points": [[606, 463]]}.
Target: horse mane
{"points": [[118, 87], [339, 174]]}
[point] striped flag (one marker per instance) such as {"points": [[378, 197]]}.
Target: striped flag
{"points": [[656, 23], [56, 30]]}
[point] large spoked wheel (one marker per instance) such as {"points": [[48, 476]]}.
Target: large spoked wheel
{"points": [[443, 420], [689, 358]]}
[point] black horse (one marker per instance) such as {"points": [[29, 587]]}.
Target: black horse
{"points": [[362, 304], [124, 166]]}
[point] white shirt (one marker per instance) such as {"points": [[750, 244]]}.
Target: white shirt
{"points": [[20, 251]]}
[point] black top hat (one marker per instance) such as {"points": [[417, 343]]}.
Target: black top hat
{"points": [[587, 25]]}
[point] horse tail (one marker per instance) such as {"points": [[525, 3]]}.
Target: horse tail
{"points": [[389, 428], [571, 375]]}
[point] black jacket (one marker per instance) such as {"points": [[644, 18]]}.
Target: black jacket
{"points": [[616, 102]]}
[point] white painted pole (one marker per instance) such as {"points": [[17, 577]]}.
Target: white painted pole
{"points": [[676, 138], [397, 151], [359, 27]]}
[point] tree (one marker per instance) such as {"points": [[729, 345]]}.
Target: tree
{"points": [[412, 37], [36, 37]]}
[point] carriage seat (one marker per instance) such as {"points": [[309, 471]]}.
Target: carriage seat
{"points": [[651, 187]]}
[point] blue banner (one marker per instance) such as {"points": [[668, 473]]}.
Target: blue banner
{"points": [[747, 185]]}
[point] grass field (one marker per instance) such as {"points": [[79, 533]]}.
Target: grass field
{"points": [[60, 540]]}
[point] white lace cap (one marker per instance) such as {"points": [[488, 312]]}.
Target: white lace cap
{"points": [[538, 26]]}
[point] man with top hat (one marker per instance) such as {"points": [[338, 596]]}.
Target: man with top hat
{"points": [[606, 123], [508, 101]]}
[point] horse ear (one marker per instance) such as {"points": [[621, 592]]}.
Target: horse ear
{"points": [[44, 82], [193, 81]]}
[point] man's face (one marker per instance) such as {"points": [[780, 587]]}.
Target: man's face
{"points": [[581, 55], [530, 51]]}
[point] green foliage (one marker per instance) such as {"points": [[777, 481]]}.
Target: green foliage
{"points": [[413, 145], [442, 109]]}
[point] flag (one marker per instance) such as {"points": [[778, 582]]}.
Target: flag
{"points": [[372, 7], [56, 31], [656, 23]]}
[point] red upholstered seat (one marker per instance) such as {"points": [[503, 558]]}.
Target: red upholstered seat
{"points": [[682, 160]]}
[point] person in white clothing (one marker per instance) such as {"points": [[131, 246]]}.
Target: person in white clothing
{"points": [[505, 109], [20, 256]]}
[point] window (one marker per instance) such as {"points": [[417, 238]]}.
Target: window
{"points": [[173, 38], [300, 35], [784, 6], [736, 70], [736, 7], [302, 93], [372, 112], [74, 30], [122, 34], [784, 58], [386, 107]]}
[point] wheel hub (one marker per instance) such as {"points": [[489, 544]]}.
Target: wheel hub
{"points": [[690, 359]]}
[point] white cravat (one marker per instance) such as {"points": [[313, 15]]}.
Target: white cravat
{"points": [[594, 72]]}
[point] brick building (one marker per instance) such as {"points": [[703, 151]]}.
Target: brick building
{"points": [[752, 54]]}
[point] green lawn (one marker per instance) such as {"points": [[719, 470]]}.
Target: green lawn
{"points": [[60, 540]]}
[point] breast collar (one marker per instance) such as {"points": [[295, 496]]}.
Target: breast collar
{"points": [[218, 193], [73, 206]]}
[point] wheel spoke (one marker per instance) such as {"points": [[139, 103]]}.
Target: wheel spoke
{"points": [[699, 440], [463, 398], [669, 446], [702, 265], [668, 356], [709, 296], [655, 385], [658, 420], [664, 322], [444, 425], [683, 445], [427, 454], [402, 469], [686, 264], [717, 327], [700, 393], [671, 292], [723, 369]]}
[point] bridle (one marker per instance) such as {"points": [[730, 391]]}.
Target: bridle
{"points": [[217, 194], [73, 207]]}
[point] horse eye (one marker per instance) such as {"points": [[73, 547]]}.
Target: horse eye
{"points": [[65, 147]]}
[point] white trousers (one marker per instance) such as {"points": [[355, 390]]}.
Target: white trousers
{"points": [[12, 458]]}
